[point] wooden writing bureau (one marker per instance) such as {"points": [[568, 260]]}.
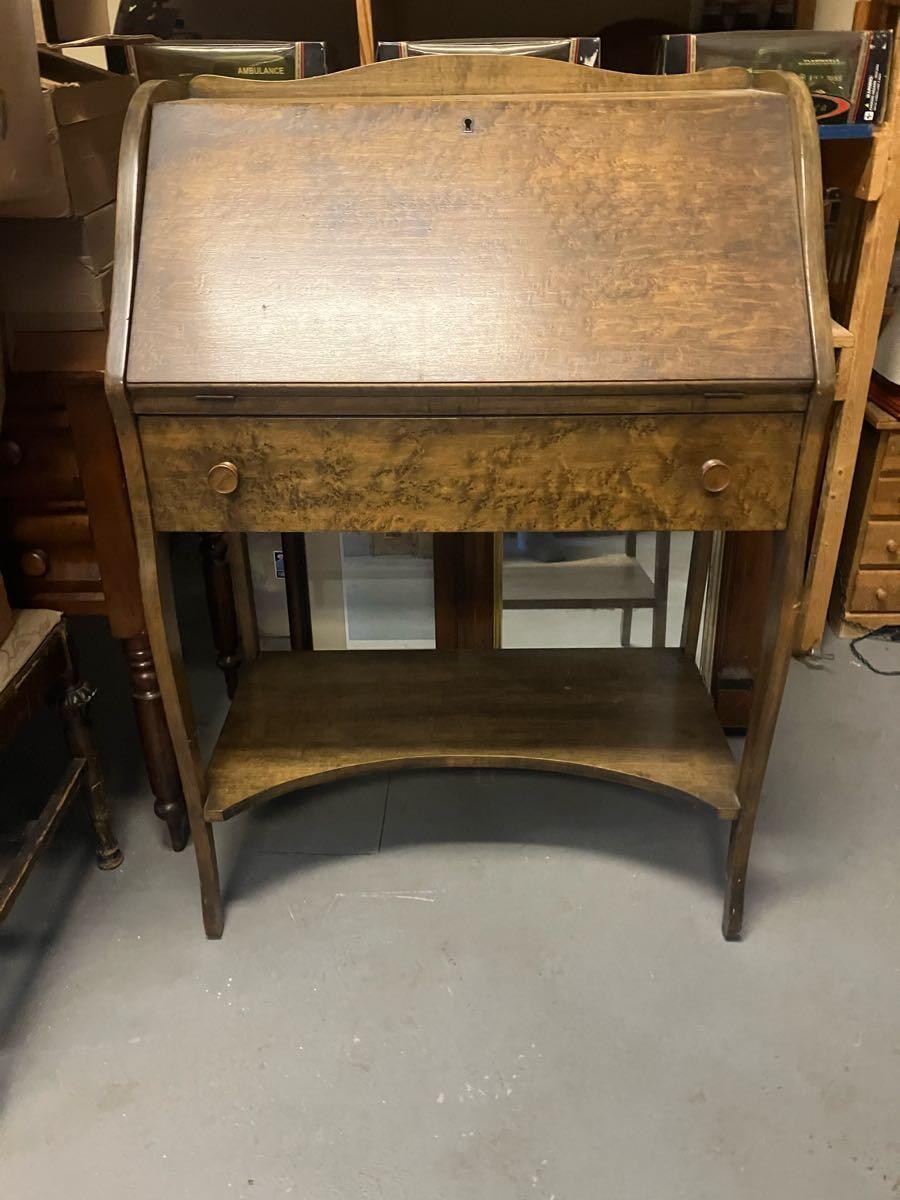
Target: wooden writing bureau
{"points": [[471, 294]]}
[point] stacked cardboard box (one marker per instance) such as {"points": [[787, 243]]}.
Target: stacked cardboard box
{"points": [[56, 235]]}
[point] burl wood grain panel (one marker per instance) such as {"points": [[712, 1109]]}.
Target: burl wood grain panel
{"points": [[622, 238], [469, 474]]}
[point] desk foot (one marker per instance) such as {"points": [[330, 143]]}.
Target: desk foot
{"points": [[159, 756], [222, 608], [208, 870], [736, 877]]}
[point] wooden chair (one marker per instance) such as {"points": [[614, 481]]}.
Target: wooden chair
{"points": [[37, 667]]}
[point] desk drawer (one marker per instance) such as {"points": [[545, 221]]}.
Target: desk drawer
{"points": [[891, 460], [711, 471], [876, 591], [881, 544], [886, 501]]}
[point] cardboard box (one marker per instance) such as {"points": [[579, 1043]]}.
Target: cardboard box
{"points": [[156, 59], [74, 19], [846, 71], [24, 154], [61, 350], [585, 51], [57, 274], [84, 109]]}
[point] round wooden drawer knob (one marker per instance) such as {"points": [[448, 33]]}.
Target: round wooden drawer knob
{"points": [[715, 475], [35, 563], [10, 453], [891, 546], [223, 478], [881, 594]]}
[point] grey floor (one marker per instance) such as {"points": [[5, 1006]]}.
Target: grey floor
{"points": [[469, 984]]}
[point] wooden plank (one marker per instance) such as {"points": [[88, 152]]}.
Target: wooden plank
{"points": [[366, 28], [642, 716], [471, 474], [842, 337], [442, 400], [542, 185], [879, 419]]}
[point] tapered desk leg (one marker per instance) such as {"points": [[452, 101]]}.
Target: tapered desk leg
{"points": [[296, 584], [628, 613], [468, 580], [776, 657], [661, 587], [165, 642], [222, 611], [159, 756], [701, 553]]}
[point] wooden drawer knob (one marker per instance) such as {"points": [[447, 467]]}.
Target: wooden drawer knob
{"points": [[715, 475], [35, 563], [223, 478], [10, 453], [891, 546], [881, 594]]}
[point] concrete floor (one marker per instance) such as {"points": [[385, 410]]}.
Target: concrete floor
{"points": [[469, 984]]}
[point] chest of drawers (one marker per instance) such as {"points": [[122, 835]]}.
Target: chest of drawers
{"points": [[868, 583]]}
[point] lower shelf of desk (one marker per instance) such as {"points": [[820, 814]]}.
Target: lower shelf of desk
{"points": [[637, 716]]}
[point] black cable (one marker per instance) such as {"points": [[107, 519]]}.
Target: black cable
{"points": [[887, 633]]}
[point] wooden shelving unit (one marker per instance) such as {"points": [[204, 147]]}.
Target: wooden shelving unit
{"points": [[867, 170]]}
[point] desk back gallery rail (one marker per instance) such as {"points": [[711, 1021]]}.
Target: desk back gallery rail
{"points": [[472, 294]]}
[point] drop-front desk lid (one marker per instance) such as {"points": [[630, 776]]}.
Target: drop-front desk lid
{"points": [[571, 239]]}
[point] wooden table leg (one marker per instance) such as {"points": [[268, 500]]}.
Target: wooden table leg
{"points": [[468, 577], [743, 597], [782, 611], [159, 756], [296, 583], [165, 641], [222, 611], [698, 572], [661, 587]]}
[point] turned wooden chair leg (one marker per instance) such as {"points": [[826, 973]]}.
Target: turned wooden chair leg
{"points": [[159, 755], [74, 712], [222, 610]]}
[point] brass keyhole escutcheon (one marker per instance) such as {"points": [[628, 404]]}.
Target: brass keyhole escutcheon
{"points": [[223, 478], [715, 476]]}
